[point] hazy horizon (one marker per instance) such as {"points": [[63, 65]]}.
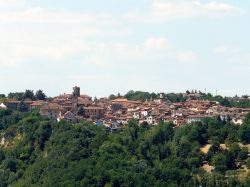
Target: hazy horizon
{"points": [[123, 93]]}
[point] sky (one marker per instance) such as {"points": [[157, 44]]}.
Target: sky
{"points": [[114, 46]]}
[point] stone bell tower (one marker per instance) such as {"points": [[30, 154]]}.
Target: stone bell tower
{"points": [[76, 92], [75, 95]]}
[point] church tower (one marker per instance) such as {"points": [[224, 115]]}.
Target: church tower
{"points": [[76, 92], [75, 95]]}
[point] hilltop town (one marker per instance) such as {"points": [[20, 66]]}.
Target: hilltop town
{"points": [[116, 113], [131, 135]]}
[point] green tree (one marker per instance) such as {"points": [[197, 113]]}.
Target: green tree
{"points": [[243, 154], [163, 133], [225, 102], [248, 163], [81, 111], [247, 119], [244, 133], [219, 161], [29, 94], [2, 155], [23, 107], [10, 164], [44, 132], [17, 95], [40, 95], [234, 149], [2, 96], [133, 129], [112, 97]]}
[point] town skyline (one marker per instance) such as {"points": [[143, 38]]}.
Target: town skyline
{"points": [[117, 111], [68, 91]]}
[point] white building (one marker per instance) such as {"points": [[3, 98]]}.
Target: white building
{"points": [[2, 106]]}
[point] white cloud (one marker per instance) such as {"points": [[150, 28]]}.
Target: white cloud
{"points": [[225, 49], [39, 16], [156, 43], [238, 56], [12, 5], [222, 7], [152, 50], [28, 33], [168, 10], [187, 56]]}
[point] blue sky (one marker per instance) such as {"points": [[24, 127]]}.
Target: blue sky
{"points": [[114, 46]]}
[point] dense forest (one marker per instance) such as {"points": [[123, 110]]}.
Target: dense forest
{"points": [[35, 151]]}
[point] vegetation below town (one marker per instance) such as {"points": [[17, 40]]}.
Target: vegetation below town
{"points": [[35, 151]]}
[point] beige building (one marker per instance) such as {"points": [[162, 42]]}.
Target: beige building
{"points": [[93, 111]]}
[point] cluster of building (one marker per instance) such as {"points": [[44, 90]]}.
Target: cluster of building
{"points": [[116, 113]]}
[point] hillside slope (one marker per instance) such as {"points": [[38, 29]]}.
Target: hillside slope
{"points": [[39, 152]]}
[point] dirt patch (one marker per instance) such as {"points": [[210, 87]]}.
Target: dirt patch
{"points": [[205, 148], [246, 145], [11, 142], [223, 146], [208, 168]]}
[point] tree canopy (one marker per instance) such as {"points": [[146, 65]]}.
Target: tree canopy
{"points": [[40, 152]]}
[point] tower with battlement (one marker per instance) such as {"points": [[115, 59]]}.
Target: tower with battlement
{"points": [[75, 95], [76, 92]]}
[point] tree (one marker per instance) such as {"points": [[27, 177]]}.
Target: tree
{"points": [[243, 154], [10, 164], [234, 149], [133, 129], [244, 133], [81, 111], [248, 163], [163, 133], [17, 95], [2, 96], [23, 107], [175, 97], [225, 102], [245, 96], [112, 97], [247, 119], [29, 94], [219, 161], [40, 95], [140, 95], [44, 132], [2, 155], [184, 147]]}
